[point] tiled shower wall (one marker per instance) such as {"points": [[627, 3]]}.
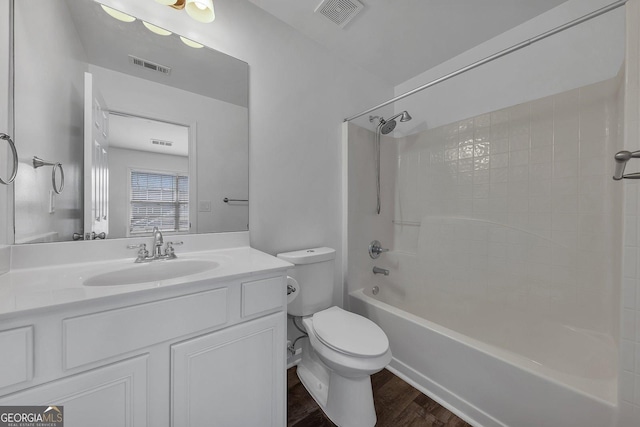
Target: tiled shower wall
{"points": [[517, 208]]}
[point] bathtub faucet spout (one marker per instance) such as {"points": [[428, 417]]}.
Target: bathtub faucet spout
{"points": [[378, 270]]}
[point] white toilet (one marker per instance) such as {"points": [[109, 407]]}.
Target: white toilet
{"points": [[343, 350]]}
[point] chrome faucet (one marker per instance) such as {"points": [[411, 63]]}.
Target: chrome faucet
{"points": [[158, 241], [378, 270]]}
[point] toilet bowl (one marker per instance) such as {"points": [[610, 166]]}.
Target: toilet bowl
{"points": [[347, 343], [343, 350]]}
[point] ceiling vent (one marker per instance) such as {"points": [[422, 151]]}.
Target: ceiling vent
{"points": [[160, 142], [340, 12], [149, 65]]}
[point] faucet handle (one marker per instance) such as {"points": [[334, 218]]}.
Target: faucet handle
{"points": [[169, 252], [142, 253], [375, 249]]}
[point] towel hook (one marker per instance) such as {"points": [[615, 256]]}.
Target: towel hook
{"points": [[38, 162], [14, 154]]}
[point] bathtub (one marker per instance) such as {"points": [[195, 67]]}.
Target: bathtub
{"points": [[547, 376]]}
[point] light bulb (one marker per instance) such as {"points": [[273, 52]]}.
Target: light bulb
{"points": [[156, 29], [200, 10], [117, 14], [191, 43]]}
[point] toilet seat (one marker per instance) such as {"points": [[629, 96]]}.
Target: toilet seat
{"points": [[349, 333]]}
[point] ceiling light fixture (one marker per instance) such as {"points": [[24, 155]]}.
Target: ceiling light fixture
{"points": [[200, 10], [176, 4], [117, 14]]}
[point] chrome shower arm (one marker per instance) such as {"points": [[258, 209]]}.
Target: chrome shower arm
{"points": [[390, 118], [404, 117]]}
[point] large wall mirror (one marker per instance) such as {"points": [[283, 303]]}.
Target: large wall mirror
{"points": [[135, 128]]}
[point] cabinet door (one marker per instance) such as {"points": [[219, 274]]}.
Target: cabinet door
{"points": [[111, 396], [231, 378]]}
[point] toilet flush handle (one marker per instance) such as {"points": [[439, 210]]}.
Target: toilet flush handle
{"points": [[292, 289]]}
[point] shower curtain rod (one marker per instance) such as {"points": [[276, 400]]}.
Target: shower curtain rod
{"points": [[495, 56]]}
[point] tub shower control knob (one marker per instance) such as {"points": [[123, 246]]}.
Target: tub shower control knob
{"points": [[375, 249]]}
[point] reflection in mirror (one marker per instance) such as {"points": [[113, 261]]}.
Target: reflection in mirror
{"points": [[149, 176], [150, 132]]}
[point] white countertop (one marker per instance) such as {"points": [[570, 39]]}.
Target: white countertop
{"points": [[32, 288]]}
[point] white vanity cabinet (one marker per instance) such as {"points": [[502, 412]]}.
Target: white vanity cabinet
{"points": [[234, 376], [199, 354], [110, 396]]}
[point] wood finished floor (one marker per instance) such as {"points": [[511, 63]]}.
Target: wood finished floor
{"points": [[397, 405]]}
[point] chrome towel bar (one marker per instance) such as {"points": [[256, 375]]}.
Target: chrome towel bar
{"points": [[635, 175], [622, 157]]}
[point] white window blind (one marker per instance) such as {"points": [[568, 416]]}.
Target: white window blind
{"points": [[159, 200]]}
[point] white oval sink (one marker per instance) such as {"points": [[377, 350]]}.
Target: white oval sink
{"points": [[151, 272]]}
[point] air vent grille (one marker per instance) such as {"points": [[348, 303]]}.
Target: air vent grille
{"points": [[149, 65], [340, 12], [160, 142]]}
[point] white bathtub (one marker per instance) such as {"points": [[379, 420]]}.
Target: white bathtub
{"points": [[549, 376]]}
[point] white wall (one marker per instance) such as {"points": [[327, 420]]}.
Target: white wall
{"points": [[221, 139], [48, 118], [121, 161], [588, 53]]}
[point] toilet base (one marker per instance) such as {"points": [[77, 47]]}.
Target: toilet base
{"points": [[348, 402]]}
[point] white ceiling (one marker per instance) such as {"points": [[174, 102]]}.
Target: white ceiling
{"points": [[399, 39]]}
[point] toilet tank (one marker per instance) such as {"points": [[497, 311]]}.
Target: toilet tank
{"points": [[313, 271]]}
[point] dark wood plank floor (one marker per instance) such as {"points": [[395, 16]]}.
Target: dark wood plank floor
{"points": [[397, 405]]}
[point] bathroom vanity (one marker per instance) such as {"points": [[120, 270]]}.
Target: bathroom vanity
{"points": [[195, 350]]}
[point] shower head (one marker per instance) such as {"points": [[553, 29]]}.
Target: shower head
{"points": [[389, 125]]}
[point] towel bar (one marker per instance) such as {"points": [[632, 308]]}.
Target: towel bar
{"points": [[622, 157]]}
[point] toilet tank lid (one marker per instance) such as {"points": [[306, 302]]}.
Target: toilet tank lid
{"points": [[308, 256]]}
